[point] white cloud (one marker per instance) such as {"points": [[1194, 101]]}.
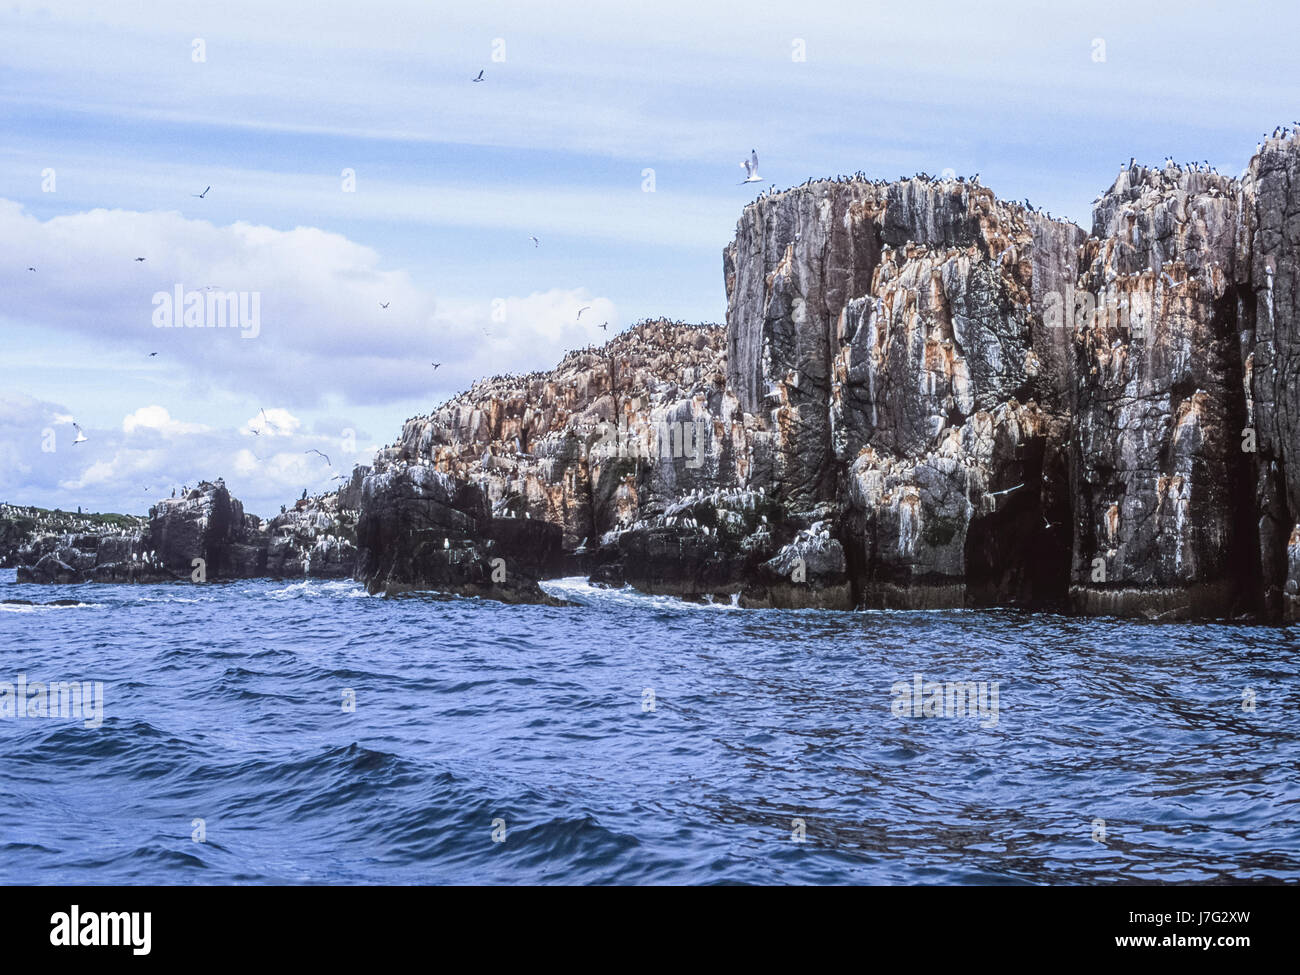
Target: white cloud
{"points": [[322, 329], [129, 468], [157, 418]]}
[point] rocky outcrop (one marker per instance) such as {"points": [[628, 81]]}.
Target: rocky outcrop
{"points": [[21, 526], [588, 445], [204, 535], [1162, 488], [890, 342], [636, 451], [424, 529], [1268, 328]]}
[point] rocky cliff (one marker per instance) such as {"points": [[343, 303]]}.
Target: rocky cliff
{"points": [[928, 396]]}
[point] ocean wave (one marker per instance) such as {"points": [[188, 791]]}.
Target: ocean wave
{"points": [[34, 607]]}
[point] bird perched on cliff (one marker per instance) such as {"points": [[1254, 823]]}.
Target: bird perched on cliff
{"points": [[480, 76], [750, 166]]}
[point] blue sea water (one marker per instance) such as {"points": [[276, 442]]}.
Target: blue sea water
{"points": [[634, 740]]}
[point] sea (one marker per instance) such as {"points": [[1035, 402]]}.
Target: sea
{"points": [[263, 732]]}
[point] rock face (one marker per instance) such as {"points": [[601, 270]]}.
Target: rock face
{"points": [[889, 340], [1268, 323], [1162, 486]]}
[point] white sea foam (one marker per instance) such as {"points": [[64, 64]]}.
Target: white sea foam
{"points": [[312, 588], [577, 589], [19, 608]]}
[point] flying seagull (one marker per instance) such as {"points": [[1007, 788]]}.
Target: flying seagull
{"points": [[139, 259], [480, 76], [315, 451], [582, 309], [605, 326], [536, 242], [265, 420], [384, 304], [31, 269], [750, 166], [152, 354], [203, 194], [436, 365], [81, 437]]}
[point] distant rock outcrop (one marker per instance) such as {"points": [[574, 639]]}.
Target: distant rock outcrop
{"points": [[204, 534]]}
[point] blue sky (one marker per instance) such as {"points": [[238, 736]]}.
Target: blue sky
{"points": [[452, 178]]}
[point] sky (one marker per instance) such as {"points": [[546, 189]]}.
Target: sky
{"points": [[353, 164]]}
